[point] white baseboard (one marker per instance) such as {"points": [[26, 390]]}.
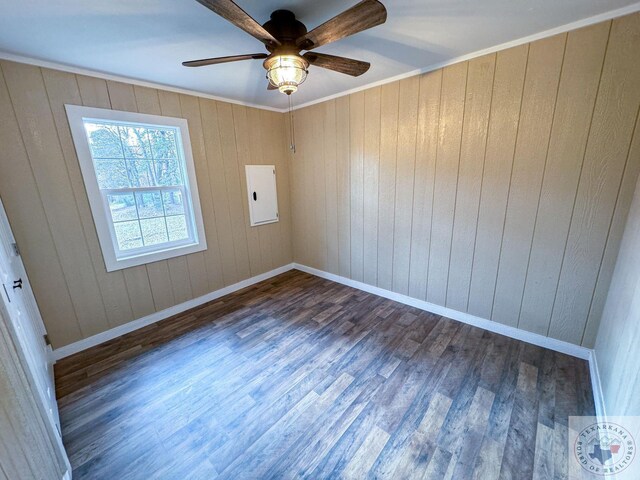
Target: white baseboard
{"points": [[512, 332], [116, 332]]}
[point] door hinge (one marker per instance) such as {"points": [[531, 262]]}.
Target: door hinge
{"points": [[46, 339], [16, 250]]}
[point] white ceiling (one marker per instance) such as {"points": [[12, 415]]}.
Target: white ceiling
{"points": [[148, 39]]}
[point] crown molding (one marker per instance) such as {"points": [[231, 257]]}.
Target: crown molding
{"points": [[585, 22], [119, 78]]}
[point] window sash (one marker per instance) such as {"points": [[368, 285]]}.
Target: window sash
{"points": [[158, 247]]}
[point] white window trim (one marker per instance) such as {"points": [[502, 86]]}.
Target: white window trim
{"points": [[101, 212]]}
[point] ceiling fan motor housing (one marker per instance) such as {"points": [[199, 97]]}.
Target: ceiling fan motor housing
{"points": [[286, 68], [284, 26]]}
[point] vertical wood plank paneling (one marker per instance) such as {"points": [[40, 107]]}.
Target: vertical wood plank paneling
{"points": [[472, 150], [387, 187], [605, 158], [329, 149], [279, 156], [454, 80], [295, 173], [618, 224], [501, 139], [304, 183], [197, 264], [312, 154], [241, 129], [306, 155], [538, 101], [218, 190], [356, 135], [234, 191], [499, 147], [113, 288], [318, 186], [137, 283], [579, 81], [30, 227], [426, 146], [405, 172], [619, 333], [371, 183], [37, 126], [343, 183], [62, 88]]}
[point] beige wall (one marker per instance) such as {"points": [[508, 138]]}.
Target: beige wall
{"points": [[618, 343], [45, 199], [498, 186]]}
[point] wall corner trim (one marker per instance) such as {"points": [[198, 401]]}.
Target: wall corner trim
{"points": [[85, 343], [596, 386]]}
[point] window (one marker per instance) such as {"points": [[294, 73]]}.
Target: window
{"points": [[139, 175]]}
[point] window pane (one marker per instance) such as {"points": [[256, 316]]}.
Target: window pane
{"points": [[163, 143], [122, 206], [154, 231], [111, 173], [173, 204], [128, 235], [177, 227], [149, 204], [104, 140], [141, 173], [168, 172], [135, 142]]}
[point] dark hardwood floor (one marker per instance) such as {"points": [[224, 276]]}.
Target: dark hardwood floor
{"points": [[299, 377]]}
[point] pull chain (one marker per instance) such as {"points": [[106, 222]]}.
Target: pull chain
{"points": [[292, 145]]}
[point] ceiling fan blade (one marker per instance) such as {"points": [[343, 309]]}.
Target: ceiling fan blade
{"points": [[364, 15], [241, 19], [271, 87], [232, 58], [352, 67]]}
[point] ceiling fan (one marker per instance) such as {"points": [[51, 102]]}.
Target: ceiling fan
{"points": [[285, 37]]}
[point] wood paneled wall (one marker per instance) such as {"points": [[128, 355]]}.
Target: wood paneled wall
{"points": [[44, 195], [498, 186], [619, 334]]}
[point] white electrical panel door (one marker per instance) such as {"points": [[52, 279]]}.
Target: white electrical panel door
{"points": [[263, 195]]}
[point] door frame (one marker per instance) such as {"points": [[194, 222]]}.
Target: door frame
{"points": [[51, 421]]}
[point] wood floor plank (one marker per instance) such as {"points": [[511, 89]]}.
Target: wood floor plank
{"points": [[299, 377]]}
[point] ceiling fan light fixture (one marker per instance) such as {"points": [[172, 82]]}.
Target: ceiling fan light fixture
{"points": [[286, 72]]}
